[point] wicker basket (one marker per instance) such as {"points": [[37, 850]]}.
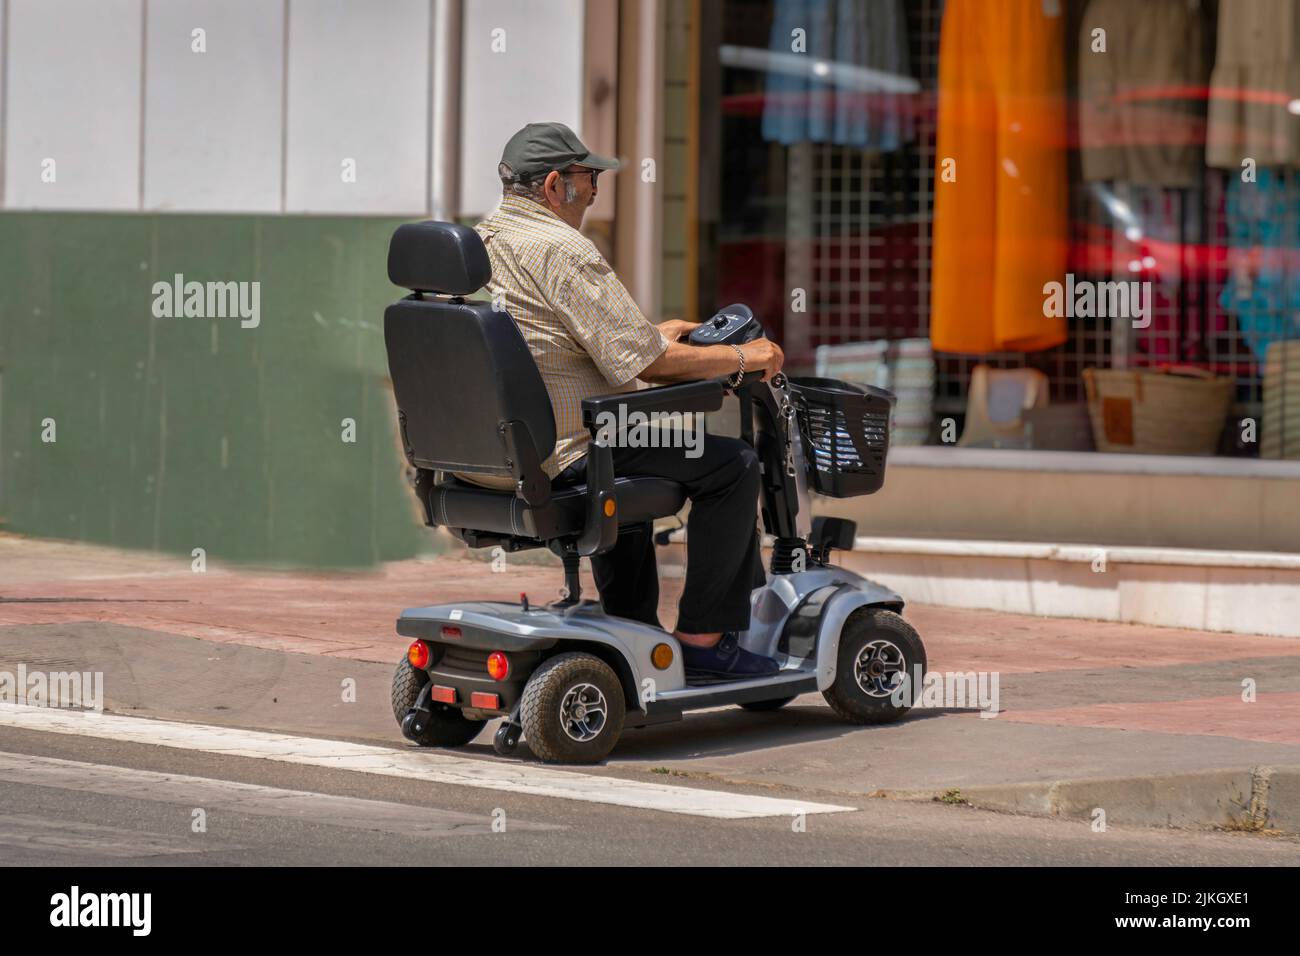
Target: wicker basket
{"points": [[1175, 411]]}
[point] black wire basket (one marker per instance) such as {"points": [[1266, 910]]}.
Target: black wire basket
{"points": [[845, 431]]}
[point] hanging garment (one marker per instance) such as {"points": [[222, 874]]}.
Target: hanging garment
{"points": [[797, 107], [1160, 228], [1255, 85], [1141, 99], [848, 108], [1000, 223], [1263, 287], [873, 34]]}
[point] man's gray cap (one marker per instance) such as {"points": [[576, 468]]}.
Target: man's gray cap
{"points": [[539, 148]]}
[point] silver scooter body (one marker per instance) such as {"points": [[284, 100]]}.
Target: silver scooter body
{"points": [[796, 619]]}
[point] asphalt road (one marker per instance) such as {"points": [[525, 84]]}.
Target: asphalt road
{"points": [[72, 800], [215, 754], [59, 814]]}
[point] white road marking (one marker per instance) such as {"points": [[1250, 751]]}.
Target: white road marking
{"points": [[410, 763], [234, 797]]}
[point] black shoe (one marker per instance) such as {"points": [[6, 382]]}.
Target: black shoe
{"points": [[726, 660]]}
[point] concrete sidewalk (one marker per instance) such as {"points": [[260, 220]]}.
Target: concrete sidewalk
{"points": [[1153, 725]]}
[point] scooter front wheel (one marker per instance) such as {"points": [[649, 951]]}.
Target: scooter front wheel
{"points": [[572, 709], [877, 673]]}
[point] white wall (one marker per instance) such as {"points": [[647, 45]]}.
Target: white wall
{"points": [[215, 134], [73, 75], [213, 119], [359, 90], [536, 78]]}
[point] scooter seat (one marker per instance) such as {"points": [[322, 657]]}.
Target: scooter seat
{"points": [[458, 504]]}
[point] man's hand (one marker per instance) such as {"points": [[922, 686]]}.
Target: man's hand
{"points": [[763, 354], [675, 329], [681, 362]]}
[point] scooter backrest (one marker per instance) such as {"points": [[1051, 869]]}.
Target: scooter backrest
{"points": [[439, 257], [460, 369]]}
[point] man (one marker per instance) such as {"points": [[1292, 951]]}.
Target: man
{"points": [[589, 338]]}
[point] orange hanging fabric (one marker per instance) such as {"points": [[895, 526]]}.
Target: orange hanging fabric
{"points": [[1000, 208]]}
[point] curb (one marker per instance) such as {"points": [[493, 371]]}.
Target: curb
{"points": [[1260, 798]]}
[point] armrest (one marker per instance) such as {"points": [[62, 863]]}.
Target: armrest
{"points": [[703, 396], [601, 530]]}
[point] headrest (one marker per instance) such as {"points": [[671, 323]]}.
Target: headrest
{"points": [[440, 257]]}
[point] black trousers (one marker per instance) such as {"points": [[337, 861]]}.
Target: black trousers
{"points": [[723, 560]]}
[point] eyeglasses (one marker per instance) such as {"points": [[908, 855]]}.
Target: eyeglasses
{"points": [[580, 170]]}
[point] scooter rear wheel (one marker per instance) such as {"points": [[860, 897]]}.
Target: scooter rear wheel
{"points": [[572, 709], [877, 650], [445, 727]]}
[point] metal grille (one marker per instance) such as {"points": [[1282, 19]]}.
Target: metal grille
{"points": [[868, 220], [870, 226]]}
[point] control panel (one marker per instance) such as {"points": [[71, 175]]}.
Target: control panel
{"points": [[733, 325]]}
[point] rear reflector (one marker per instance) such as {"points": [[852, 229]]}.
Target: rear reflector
{"points": [[443, 695], [451, 633], [485, 701]]}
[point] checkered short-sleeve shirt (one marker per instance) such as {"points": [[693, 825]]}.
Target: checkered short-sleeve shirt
{"points": [[586, 334]]}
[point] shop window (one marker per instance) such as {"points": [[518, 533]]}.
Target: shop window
{"points": [[819, 192]]}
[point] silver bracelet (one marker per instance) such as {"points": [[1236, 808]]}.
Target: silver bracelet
{"points": [[735, 380]]}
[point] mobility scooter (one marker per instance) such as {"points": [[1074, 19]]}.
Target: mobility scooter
{"points": [[566, 676]]}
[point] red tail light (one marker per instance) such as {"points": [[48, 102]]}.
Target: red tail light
{"points": [[498, 666], [418, 655], [451, 633]]}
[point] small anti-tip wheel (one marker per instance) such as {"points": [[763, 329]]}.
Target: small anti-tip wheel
{"points": [[506, 739], [439, 725], [879, 668], [572, 709]]}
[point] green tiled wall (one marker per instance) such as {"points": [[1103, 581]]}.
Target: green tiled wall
{"points": [[176, 433]]}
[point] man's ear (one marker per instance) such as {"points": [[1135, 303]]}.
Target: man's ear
{"points": [[553, 188]]}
